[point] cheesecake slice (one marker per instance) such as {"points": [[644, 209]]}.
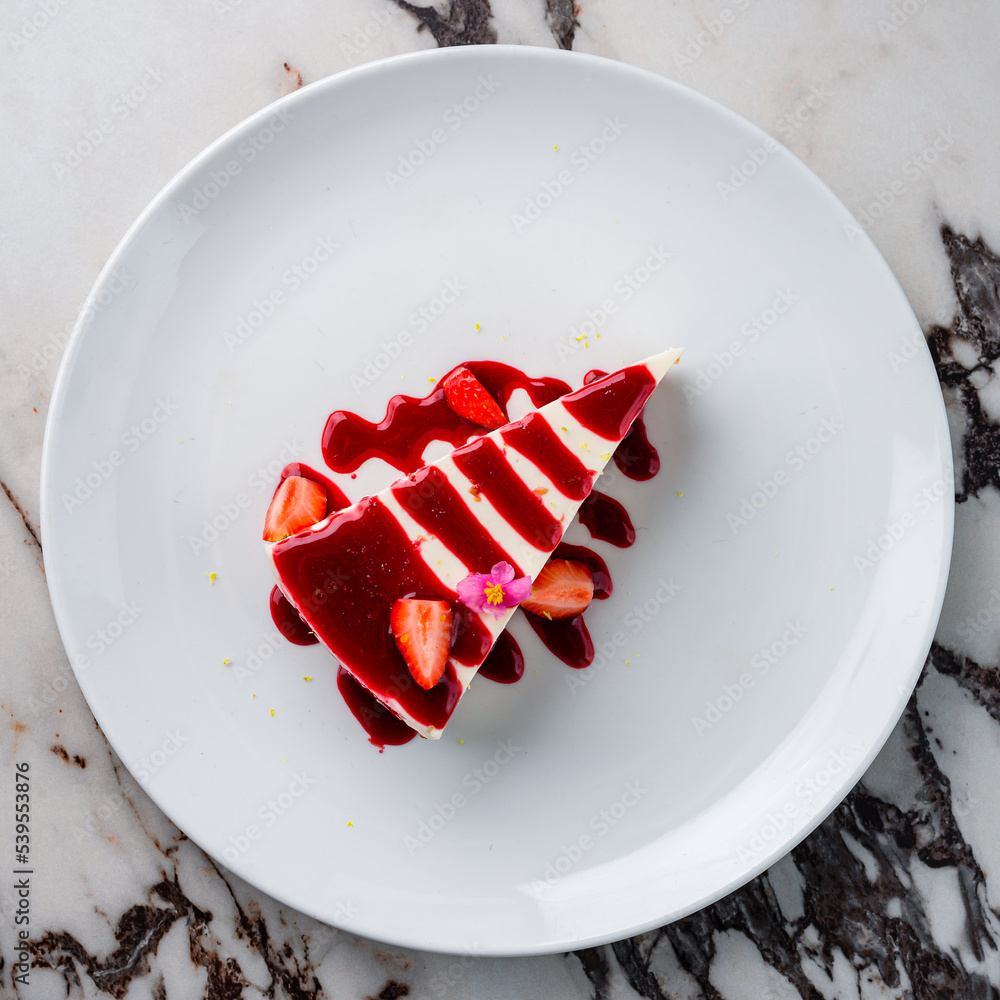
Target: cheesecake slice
{"points": [[507, 496]]}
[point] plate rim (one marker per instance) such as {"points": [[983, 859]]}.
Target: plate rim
{"points": [[48, 489]]}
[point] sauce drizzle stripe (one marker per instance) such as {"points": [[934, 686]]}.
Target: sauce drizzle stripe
{"points": [[435, 504], [534, 438], [484, 465]]}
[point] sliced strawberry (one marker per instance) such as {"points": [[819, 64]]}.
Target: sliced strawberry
{"points": [[297, 504], [422, 630], [467, 396], [562, 589]]}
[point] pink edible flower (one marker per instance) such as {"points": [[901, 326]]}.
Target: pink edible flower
{"points": [[496, 592]]}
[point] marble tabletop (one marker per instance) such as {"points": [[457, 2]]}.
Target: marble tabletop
{"points": [[894, 105]]}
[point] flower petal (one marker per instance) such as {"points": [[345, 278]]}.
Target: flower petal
{"points": [[517, 591], [502, 572], [472, 590]]}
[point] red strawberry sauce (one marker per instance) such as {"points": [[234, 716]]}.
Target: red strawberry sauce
{"points": [[373, 537]]}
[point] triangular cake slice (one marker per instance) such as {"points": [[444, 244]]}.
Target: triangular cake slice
{"points": [[507, 496]]}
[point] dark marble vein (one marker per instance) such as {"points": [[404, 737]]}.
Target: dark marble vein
{"points": [[138, 934], [983, 683], [468, 22], [21, 513], [975, 275], [561, 17], [296, 978], [393, 990], [597, 969], [63, 754]]}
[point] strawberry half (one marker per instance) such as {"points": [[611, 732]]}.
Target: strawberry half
{"points": [[422, 630], [297, 503], [563, 588], [467, 396]]}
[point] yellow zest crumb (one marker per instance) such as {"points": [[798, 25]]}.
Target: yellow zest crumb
{"points": [[606, 456], [211, 577], [253, 696], [460, 742], [598, 336], [477, 326], [306, 678], [503, 336], [547, 615], [679, 493], [429, 379], [350, 822], [542, 490], [272, 713], [226, 662], [586, 345], [628, 663], [555, 147], [578, 339], [831, 588]]}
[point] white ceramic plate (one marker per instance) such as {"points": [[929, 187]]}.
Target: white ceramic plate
{"points": [[765, 630]]}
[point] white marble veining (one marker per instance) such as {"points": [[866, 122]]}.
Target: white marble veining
{"points": [[894, 106]]}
